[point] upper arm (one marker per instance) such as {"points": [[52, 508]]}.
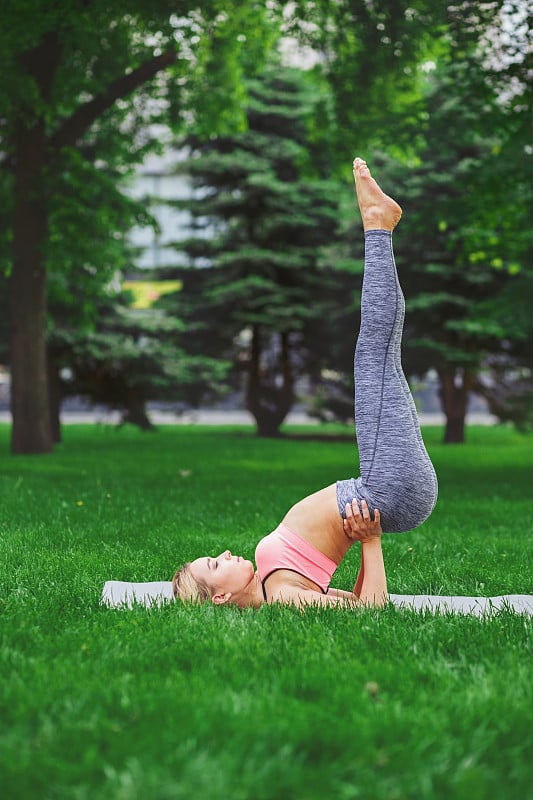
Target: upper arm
{"points": [[342, 593], [300, 597]]}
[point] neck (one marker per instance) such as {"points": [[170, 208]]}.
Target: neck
{"points": [[251, 595]]}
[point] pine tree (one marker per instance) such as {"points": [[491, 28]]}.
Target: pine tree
{"points": [[261, 216], [130, 357]]}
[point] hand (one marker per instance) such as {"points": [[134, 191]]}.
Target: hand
{"points": [[358, 525]]}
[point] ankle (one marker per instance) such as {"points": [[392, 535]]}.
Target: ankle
{"points": [[374, 220], [375, 224]]}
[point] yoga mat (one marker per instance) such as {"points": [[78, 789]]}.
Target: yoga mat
{"points": [[457, 604], [125, 594]]}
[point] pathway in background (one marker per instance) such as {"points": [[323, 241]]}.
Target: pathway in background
{"points": [[214, 417]]}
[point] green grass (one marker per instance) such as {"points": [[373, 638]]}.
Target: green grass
{"points": [[225, 704]]}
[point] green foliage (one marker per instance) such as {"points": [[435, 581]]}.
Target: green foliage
{"points": [[463, 245], [87, 88], [371, 54], [223, 703], [87, 77], [97, 44], [231, 52], [87, 245], [90, 215], [130, 357], [262, 215]]}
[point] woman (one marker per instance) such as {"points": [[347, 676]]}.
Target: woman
{"points": [[295, 563]]}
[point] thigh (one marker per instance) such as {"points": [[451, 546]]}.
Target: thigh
{"points": [[397, 475], [401, 508], [388, 433]]}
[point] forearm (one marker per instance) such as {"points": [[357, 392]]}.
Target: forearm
{"points": [[373, 590], [360, 578]]}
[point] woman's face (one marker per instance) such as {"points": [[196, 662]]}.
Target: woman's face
{"points": [[226, 575]]}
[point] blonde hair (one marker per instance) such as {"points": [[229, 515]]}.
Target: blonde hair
{"points": [[188, 588]]}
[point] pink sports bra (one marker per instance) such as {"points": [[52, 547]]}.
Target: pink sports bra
{"points": [[285, 549]]}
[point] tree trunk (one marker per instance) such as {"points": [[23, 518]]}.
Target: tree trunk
{"points": [[54, 399], [29, 387], [455, 385], [267, 402], [135, 412], [32, 153]]}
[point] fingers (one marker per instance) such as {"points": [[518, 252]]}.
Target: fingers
{"points": [[358, 513], [347, 529], [359, 524], [351, 523], [352, 509]]}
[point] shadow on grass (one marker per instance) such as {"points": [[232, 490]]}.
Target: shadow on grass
{"points": [[325, 438]]}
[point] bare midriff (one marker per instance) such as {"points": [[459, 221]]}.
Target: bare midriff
{"points": [[316, 519]]}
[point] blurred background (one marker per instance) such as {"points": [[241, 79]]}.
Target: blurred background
{"points": [[179, 230]]}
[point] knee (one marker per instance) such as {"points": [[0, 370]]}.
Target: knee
{"points": [[408, 510]]}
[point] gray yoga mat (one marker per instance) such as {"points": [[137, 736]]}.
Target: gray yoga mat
{"points": [[457, 604], [125, 594]]}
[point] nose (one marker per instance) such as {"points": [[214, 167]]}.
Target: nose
{"points": [[226, 554]]}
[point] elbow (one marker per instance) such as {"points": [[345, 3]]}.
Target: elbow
{"points": [[374, 600]]}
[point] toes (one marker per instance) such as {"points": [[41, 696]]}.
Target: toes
{"points": [[360, 168]]}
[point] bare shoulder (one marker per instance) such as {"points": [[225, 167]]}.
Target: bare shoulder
{"points": [[302, 598], [286, 583]]}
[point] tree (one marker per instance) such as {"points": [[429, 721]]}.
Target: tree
{"points": [[369, 53], [128, 359], [261, 216], [457, 134], [83, 80], [463, 255], [88, 81]]}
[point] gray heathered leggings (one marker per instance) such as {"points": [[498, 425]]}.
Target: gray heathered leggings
{"points": [[397, 475]]}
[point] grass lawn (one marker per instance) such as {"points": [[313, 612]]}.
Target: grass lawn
{"points": [[225, 704]]}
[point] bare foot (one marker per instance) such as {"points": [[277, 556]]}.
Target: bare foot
{"points": [[378, 210]]}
